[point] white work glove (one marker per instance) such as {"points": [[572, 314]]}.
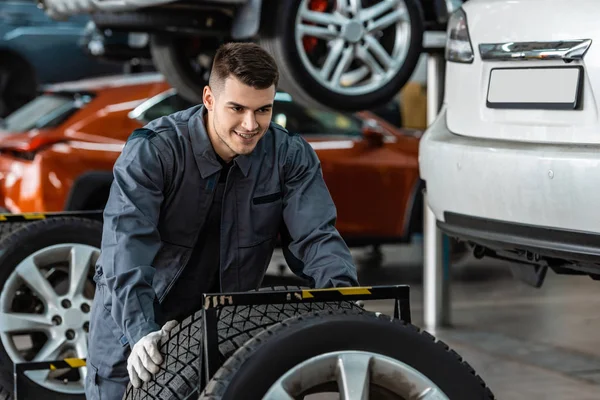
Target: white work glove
{"points": [[145, 357]]}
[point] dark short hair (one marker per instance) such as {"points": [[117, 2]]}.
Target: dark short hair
{"points": [[248, 62]]}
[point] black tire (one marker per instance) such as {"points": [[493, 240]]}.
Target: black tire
{"points": [[251, 370], [171, 56], [179, 373], [7, 228], [14, 248], [278, 39], [18, 83]]}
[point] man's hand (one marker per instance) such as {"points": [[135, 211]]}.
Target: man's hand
{"points": [[145, 357]]}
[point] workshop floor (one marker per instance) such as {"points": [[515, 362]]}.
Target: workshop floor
{"points": [[526, 343]]}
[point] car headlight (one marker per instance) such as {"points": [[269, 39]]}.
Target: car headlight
{"points": [[458, 43]]}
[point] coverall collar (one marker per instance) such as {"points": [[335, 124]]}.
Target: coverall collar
{"points": [[208, 164]]}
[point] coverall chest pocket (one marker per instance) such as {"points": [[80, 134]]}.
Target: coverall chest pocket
{"points": [[265, 213]]}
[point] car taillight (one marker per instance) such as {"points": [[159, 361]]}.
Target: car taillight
{"points": [[458, 42]]}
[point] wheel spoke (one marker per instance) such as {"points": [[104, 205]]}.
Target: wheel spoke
{"points": [[353, 376], [82, 351], [334, 54], [343, 6], [81, 345], [430, 394], [278, 393], [321, 18], [317, 31], [39, 376], [353, 77], [32, 276], [51, 349], [378, 10], [379, 52], [391, 18], [376, 70], [21, 322], [342, 66], [80, 263]]}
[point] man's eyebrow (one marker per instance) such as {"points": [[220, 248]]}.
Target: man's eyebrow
{"points": [[233, 103]]}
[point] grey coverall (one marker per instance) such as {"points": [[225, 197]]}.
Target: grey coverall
{"points": [[160, 200]]}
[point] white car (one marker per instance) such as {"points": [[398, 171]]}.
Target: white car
{"points": [[512, 161]]}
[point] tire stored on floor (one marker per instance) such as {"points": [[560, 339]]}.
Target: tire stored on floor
{"points": [[345, 55], [46, 292], [180, 371], [361, 351]]}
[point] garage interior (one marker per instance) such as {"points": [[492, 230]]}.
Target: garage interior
{"points": [[130, 66]]}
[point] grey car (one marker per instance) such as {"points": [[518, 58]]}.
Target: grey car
{"points": [[36, 49]]}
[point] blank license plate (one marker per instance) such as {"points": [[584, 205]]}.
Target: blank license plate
{"points": [[535, 88]]}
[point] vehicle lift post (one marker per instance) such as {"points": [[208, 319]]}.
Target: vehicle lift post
{"points": [[436, 246]]}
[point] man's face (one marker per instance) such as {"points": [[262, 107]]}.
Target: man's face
{"points": [[239, 116]]}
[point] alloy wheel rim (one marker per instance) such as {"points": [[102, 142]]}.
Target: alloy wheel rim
{"points": [[62, 313], [356, 374], [357, 61]]}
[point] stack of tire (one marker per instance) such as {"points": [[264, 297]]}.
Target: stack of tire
{"points": [[271, 351], [288, 351]]}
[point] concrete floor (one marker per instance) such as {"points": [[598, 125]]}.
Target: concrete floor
{"points": [[525, 343]]}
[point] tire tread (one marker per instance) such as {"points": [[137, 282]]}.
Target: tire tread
{"points": [[179, 374], [216, 388]]}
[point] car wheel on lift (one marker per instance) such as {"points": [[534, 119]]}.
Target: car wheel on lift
{"points": [[185, 62], [344, 57], [179, 375], [46, 292], [351, 352]]}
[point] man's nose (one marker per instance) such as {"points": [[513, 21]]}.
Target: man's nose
{"points": [[249, 123]]}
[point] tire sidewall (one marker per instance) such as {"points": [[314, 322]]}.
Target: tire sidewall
{"points": [[288, 54], [300, 342], [27, 240]]}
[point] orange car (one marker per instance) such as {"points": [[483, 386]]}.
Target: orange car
{"points": [[57, 153]]}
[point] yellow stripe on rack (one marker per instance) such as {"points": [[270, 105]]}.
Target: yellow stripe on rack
{"points": [[308, 293], [75, 362], [34, 216]]}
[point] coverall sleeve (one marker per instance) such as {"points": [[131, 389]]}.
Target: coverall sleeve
{"points": [[312, 246], [130, 238]]}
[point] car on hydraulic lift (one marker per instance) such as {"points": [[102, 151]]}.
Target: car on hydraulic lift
{"points": [[347, 55], [56, 156], [510, 161]]}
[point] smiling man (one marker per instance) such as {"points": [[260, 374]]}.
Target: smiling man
{"points": [[198, 201]]}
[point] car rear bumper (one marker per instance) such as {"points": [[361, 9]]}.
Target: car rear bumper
{"points": [[528, 241], [539, 185], [64, 8]]}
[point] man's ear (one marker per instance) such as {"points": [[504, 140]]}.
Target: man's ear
{"points": [[208, 98]]}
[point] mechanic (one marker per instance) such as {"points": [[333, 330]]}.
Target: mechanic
{"points": [[198, 201]]}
